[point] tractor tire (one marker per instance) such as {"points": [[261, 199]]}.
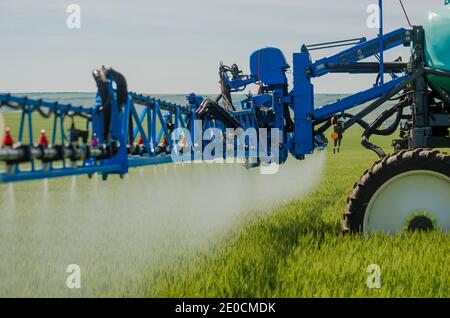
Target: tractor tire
{"points": [[385, 200]]}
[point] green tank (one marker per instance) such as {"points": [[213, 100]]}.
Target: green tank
{"points": [[437, 44]]}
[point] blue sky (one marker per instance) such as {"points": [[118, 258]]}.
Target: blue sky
{"points": [[175, 46]]}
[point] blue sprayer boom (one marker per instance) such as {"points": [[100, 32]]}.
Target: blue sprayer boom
{"points": [[124, 129]]}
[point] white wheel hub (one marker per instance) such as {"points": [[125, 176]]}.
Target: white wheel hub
{"points": [[391, 207]]}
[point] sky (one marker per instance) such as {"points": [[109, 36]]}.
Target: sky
{"points": [[175, 46]]}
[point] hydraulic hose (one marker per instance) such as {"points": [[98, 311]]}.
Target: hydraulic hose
{"points": [[373, 128], [419, 72], [328, 124], [443, 95], [436, 71], [210, 108]]}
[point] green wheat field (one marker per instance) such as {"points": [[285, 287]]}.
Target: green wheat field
{"points": [[292, 249], [298, 250]]}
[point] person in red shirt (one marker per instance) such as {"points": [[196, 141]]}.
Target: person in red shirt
{"points": [[43, 140], [43, 143], [94, 140], [8, 140]]}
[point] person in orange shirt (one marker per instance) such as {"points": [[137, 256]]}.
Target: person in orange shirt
{"points": [[337, 133]]}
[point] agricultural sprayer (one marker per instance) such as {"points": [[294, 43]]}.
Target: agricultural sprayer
{"points": [[406, 190]]}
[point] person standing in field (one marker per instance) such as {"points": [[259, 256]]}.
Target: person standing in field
{"points": [[8, 140]]}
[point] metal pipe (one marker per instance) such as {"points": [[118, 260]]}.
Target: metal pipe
{"points": [[52, 153], [11, 154]]}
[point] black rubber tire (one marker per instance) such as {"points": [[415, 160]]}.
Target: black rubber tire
{"points": [[383, 170]]}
